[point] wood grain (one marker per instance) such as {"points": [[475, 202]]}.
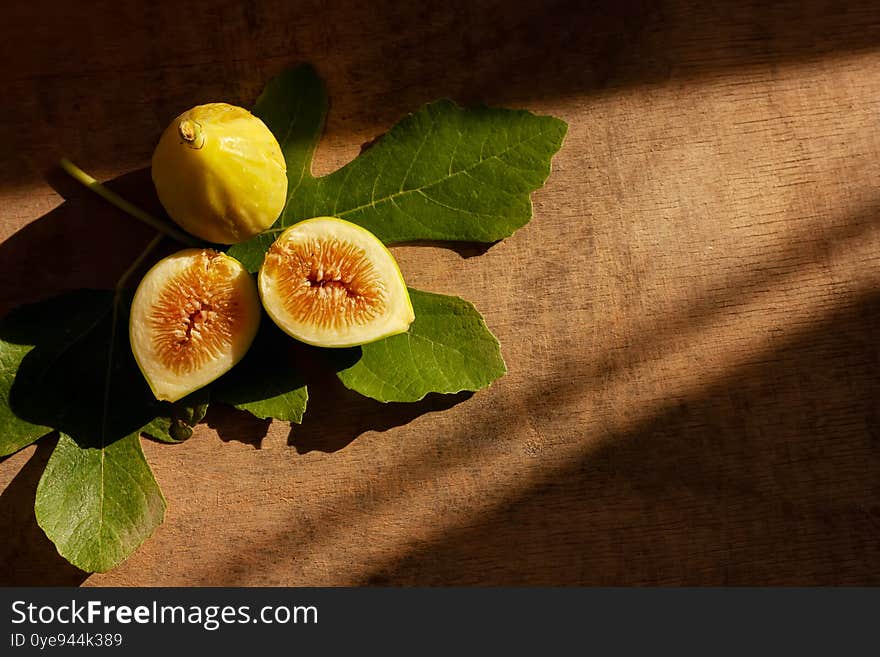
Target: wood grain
{"points": [[690, 321]]}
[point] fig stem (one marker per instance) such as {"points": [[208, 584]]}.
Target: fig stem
{"points": [[142, 215], [191, 132]]}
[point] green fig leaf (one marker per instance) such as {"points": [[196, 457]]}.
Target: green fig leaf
{"points": [[267, 382], [447, 349], [97, 500], [98, 504], [443, 173], [17, 433], [18, 334]]}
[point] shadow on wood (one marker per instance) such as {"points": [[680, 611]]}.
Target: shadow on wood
{"points": [[337, 416], [463, 249], [232, 424], [760, 479], [83, 243]]}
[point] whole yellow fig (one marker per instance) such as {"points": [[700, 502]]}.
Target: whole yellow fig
{"points": [[220, 173]]}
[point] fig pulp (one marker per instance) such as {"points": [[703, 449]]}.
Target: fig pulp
{"points": [[220, 173], [193, 317], [331, 283]]}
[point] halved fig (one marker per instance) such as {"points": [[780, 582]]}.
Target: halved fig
{"points": [[330, 283], [193, 317]]}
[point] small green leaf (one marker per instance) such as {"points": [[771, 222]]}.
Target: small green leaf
{"points": [[16, 433], [287, 405], [442, 173], [98, 505], [175, 422], [16, 342], [266, 383], [447, 349]]}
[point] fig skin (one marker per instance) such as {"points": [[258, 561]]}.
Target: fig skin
{"points": [[285, 288], [220, 173], [193, 317]]}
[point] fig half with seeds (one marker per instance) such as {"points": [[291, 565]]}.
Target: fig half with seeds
{"points": [[194, 316], [331, 283], [220, 173]]}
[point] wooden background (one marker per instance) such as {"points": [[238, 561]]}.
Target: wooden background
{"points": [[690, 321]]}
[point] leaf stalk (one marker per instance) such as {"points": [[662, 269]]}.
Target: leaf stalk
{"points": [[130, 208]]}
